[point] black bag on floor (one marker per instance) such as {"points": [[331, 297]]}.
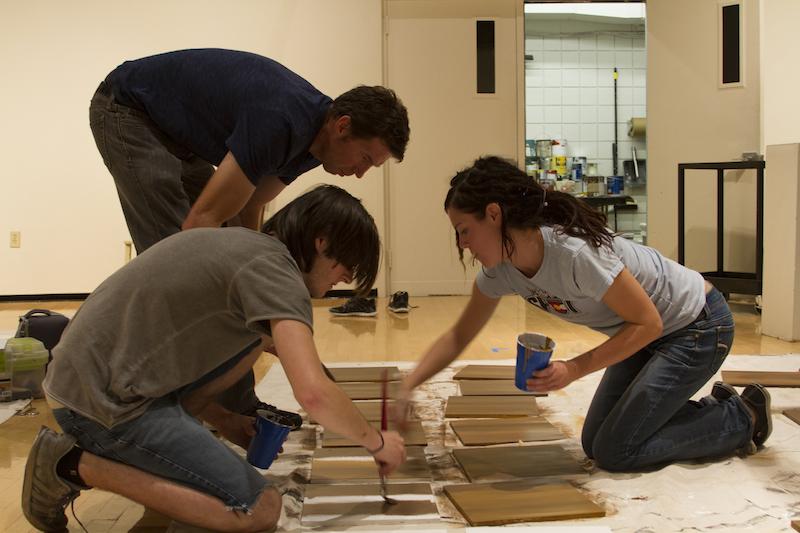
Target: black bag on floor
{"points": [[44, 325]]}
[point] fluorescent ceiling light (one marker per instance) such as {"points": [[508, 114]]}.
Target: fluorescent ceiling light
{"points": [[596, 9]]}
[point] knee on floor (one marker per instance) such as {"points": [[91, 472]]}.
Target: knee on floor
{"points": [[612, 458]]}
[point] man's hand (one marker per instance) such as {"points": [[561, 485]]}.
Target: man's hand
{"points": [[237, 428], [393, 453], [555, 376]]}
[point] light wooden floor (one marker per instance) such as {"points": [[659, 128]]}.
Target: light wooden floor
{"points": [[388, 337]]}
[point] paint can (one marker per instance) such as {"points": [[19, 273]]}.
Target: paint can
{"points": [[533, 353], [271, 430], [544, 148], [615, 184]]}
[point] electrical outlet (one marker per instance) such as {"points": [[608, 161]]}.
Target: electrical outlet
{"points": [[16, 239]]}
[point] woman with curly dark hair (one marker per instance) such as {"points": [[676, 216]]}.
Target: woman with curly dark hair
{"points": [[669, 330]]}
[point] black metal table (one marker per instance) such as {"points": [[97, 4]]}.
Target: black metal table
{"points": [[726, 282], [603, 201]]}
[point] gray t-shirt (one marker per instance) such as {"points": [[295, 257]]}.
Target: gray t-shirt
{"points": [[172, 315], [575, 276]]}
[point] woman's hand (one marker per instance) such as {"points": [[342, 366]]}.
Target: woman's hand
{"points": [[401, 409], [555, 376]]}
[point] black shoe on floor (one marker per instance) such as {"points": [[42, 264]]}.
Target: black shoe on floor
{"points": [[293, 419], [356, 307], [758, 399], [721, 391], [398, 303]]}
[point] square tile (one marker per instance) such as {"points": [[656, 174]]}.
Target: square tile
{"points": [[571, 115], [521, 501], [552, 78], [605, 60], [571, 77], [588, 132], [534, 43], [552, 43], [605, 41], [549, 60], [624, 43], [508, 463], [572, 132], [589, 59], [364, 373], [571, 96], [332, 506], [552, 115], [534, 131], [493, 387], [570, 60], [367, 391], [605, 96], [414, 436], [490, 406], [589, 96], [588, 77], [553, 131], [605, 114], [348, 470], [552, 96], [764, 378], [486, 372], [504, 431], [589, 42], [569, 43], [534, 113], [534, 96], [588, 116], [624, 59]]}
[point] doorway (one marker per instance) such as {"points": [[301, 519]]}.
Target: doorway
{"points": [[575, 109]]}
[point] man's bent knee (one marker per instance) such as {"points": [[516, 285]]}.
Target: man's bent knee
{"points": [[266, 511]]}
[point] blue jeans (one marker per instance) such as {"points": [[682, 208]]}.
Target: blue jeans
{"points": [[641, 415], [168, 442]]}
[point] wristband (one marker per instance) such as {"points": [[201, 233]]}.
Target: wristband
{"points": [[379, 448]]}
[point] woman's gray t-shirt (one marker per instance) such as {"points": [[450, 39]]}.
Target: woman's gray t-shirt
{"points": [[574, 277], [172, 315]]}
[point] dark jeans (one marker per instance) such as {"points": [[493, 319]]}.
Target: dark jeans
{"points": [[157, 182], [641, 414]]}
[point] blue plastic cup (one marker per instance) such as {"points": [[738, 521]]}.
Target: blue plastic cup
{"points": [[533, 353], [271, 431]]}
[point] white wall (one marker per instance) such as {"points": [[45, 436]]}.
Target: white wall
{"points": [[780, 76], [691, 119], [53, 185]]}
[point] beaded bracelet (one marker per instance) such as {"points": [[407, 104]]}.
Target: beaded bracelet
{"points": [[379, 448]]}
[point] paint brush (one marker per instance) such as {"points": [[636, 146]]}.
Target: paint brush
{"points": [[384, 426]]}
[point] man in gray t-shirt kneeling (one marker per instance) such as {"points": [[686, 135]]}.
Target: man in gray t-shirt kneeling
{"points": [[151, 348]]}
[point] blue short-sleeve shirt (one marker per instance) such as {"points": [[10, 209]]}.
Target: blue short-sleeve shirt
{"points": [[211, 101]]}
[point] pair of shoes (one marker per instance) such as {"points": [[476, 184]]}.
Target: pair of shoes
{"points": [[45, 494], [721, 391], [398, 302], [291, 419], [758, 400], [356, 307]]}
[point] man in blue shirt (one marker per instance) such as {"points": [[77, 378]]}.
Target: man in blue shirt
{"points": [[163, 123], [206, 137]]}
